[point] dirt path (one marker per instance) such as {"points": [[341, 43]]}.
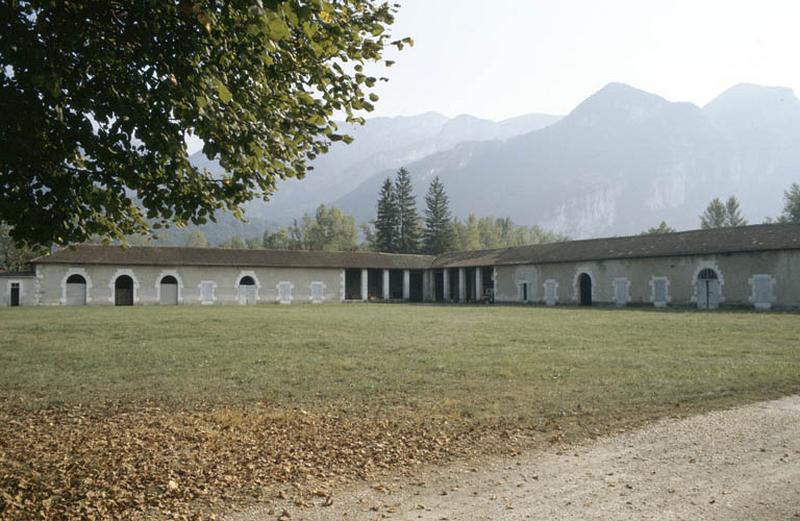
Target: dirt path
{"points": [[740, 464]]}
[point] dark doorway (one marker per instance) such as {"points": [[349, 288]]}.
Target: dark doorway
{"points": [[14, 294], [123, 291], [453, 281], [396, 284], [352, 284], [375, 284], [438, 282], [415, 286], [487, 292], [469, 284], [585, 282]]}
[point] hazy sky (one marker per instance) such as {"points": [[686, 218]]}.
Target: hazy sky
{"points": [[501, 58]]}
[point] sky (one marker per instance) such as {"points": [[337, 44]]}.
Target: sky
{"points": [[501, 58], [497, 59]]}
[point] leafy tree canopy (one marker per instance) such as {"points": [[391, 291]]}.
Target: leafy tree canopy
{"points": [[329, 229], [479, 233], [97, 98]]}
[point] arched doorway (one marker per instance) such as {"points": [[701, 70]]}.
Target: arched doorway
{"points": [[123, 291], [247, 290], [708, 289], [76, 291], [585, 285], [169, 291]]}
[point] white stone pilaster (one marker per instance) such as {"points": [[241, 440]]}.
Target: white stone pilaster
{"points": [[478, 284], [406, 284], [364, 285], [385, 284], [445, 285], [462, 285]]}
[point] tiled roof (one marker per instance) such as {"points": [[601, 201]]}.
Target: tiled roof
{"points": [[180, 256], [763, 237], [695, 242]]}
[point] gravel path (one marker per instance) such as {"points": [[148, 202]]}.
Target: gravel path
{"points": [[739, 464]]}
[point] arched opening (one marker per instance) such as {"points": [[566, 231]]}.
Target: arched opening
{"points": [[585, 286], [247, 290], [123, 291], [76, 291], [708, 289], [169, 291]]}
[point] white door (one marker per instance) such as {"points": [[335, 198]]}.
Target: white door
{"points": [[169, 294], [247, 294], [76, 294], [708, 293], [713, 293]]}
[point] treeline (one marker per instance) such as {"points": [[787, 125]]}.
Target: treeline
{"points": [[727, 214]]}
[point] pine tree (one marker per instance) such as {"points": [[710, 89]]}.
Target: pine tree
{"points": [[715, 215], [722, 215], [386, 224], [734, 217], [791, 205], [408, 222], [438, 235]]}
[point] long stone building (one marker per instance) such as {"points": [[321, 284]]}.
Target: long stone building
{"points": [[749, 267]]}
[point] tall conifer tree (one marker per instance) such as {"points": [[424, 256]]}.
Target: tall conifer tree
{"points": [[386, 225], [438, 236], [408, 222]]}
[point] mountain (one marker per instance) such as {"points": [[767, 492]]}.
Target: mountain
{"points": [[621, 161], [380, 144]]}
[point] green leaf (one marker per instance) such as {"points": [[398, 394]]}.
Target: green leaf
{"points": [[223, 92]]}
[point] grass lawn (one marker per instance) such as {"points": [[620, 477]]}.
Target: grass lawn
{"points": [[342, 389], [514, 362]]}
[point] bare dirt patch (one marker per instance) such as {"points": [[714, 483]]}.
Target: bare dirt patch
{"points": [[739, 464]]}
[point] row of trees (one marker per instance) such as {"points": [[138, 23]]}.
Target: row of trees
{"points": [[399, 228]]}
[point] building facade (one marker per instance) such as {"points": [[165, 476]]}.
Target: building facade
{"points": [[748, 267]]}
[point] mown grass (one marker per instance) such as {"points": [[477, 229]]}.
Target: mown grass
{"points": [[510, 363]]}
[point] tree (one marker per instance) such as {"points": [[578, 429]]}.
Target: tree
{"points": [[791, 205], [329, 230], [15, 257], [734, 213], [438, 236], [196, 239], [278, 240], [409, 229], [658, 230], [489, 232], [97, 99], [386, 220], [235, 243], [715, 215], [722, 215]]}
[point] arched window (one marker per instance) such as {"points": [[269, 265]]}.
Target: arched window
{"points": [[247, 280], [707, 274], [76, 279]]}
